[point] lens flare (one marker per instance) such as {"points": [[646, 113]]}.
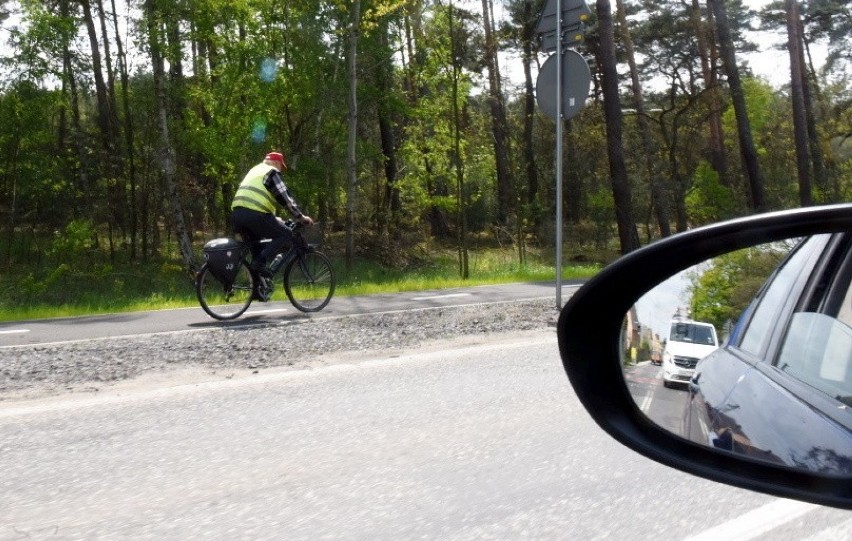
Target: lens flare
{"points": [[258, 131], [268, 70]]}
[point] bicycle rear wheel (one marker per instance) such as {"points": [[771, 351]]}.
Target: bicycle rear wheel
{"points": [[309, 281], [223, 302]]}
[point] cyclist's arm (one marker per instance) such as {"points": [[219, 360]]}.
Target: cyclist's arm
{"points": [[275, 184]]}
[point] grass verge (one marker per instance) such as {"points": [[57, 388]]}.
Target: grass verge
{"points": [[75, 290]]}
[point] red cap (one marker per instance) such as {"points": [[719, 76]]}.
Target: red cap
{"points": [[276, 156]]}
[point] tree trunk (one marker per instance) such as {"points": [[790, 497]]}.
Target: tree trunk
{"points": [[351, 164], [166, 151], [107, 136], [527, 42], [464, 269], [112, 107], [117, 198], [747, 150], [498, 120], [817, 160], [128, 136], [718, 156], [573, 196], [658, 194], [797, 79], [84, 184], [391, 191], [621, 191]]}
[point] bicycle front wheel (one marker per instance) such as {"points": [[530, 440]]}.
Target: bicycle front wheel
{"points": [[309, 281], [223, 301]]}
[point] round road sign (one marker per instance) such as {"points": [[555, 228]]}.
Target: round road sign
{"points": [[576, 82]]}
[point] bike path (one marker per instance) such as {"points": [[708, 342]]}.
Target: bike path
{"points": [[62, 330]]}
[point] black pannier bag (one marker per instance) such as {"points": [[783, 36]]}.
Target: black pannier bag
{"points": [[223, 259]]}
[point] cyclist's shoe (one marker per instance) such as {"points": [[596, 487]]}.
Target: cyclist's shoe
{"points": [[263, 291]]}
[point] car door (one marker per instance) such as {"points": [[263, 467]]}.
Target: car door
{"points": [[751, 397]]}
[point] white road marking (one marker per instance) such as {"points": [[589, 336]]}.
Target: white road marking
{"points": [[447, 296], [756, 522], [268, 311], [645, 407], [14, 331]]}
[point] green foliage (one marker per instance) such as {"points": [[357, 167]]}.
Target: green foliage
{"points": [[602, 211], [709, 201], [249, 76], [73, 242], [771, 124], [722, 289]]}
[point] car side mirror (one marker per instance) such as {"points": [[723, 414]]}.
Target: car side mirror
{"points": [[613, 366]]}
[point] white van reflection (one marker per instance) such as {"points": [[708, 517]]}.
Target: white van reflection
{"points": [[688, 342]]}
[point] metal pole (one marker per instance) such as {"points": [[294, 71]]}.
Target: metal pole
{"points": [[558, 154]]}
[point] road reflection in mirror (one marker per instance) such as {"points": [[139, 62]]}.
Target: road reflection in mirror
{"points": [[751, 353]]}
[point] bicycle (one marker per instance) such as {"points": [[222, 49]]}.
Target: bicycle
{"points": [[226, 284]]}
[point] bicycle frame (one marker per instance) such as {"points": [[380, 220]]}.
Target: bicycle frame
{"points": [[297, 248]]}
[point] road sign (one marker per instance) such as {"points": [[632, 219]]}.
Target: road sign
{"points": [[562, 86], [575, 13], [576, 82]]}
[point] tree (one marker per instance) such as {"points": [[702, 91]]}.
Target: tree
{"points": [[498, 118], [525, 15], [621, 190], [797, 81], [722, 291], [167, 153], [709, 60], [230, 81], [729, 62], [457, 159], [390, 214], [659, 199], [351, 163]]}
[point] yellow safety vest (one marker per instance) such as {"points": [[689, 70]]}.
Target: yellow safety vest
{"points": [[252, 194]]}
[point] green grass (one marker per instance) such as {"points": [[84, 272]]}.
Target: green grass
{"points": [[77, 289]]}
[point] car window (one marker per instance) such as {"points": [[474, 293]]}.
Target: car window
{"points": [[845, 314], [692, 333], [818, 351], [776, 295], [817, 348]]}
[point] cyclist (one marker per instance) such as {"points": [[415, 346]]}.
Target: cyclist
{"points": [[253, 209]]}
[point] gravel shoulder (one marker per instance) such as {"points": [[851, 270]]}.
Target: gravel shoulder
{"points": [[161, 360]]}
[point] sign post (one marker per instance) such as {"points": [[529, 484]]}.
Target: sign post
{"points": [[558, 154], [558, 20]]}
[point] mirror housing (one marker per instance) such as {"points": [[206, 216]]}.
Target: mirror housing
{"points": [[589, 329]]}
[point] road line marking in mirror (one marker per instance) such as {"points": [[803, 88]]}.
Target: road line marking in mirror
{"points": [[14, 331], [645, 407], [447, 296], [757, 521]]}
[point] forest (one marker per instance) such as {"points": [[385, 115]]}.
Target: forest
{"points": [[125, 127]]}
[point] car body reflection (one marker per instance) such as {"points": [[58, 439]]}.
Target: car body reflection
{"points": [[779, 390]]}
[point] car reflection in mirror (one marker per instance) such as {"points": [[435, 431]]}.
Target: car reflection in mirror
{"points": [[751, 353]]}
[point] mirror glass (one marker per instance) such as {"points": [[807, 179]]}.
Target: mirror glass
{"points": [[751, 353]]}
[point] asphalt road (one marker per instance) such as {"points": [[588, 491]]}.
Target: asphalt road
{"points": [[483, 441], [662, 405], [134, 323]]}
